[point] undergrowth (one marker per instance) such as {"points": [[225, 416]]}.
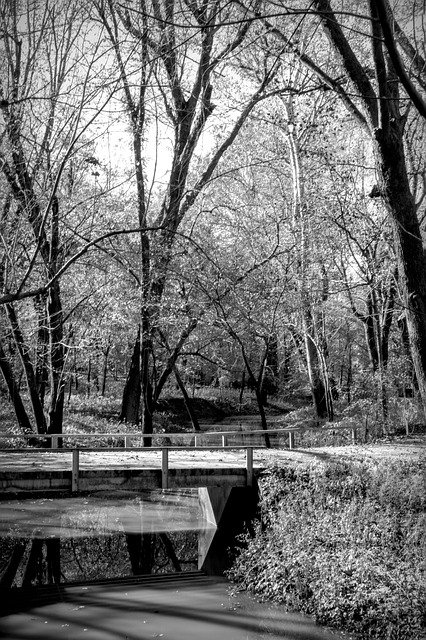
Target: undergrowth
{"points": [[345, 543]]}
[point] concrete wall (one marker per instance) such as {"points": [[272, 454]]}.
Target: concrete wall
{"points": [[232, 509]]}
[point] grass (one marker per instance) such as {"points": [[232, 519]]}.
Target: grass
{"points": [[345, 543]]}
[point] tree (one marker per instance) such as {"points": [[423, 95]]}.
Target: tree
{"points": [[43, 95], [180, 76], [375, 100]]}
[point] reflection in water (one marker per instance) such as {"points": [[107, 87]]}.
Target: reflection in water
{"points": [[47, 541], [149, 511], [96, 538]]}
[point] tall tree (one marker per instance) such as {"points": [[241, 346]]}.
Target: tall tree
{"points": [[182, 51], [374, 98], [44, 87]]}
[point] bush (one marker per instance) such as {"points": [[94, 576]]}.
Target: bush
{"points": [[345, 543]]}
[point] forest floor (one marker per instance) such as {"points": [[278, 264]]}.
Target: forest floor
{"points": [[88, 415]]}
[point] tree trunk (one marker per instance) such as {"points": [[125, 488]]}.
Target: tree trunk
{"points": [[313, 365], [349, 376], [147, 404], [15, 396], [89, 377], [33, 569], [402, 325], [268, 383], [243, 386], [187, 401], [23, 351], [53, 558], [56, 329], [132, 389], [395, 189], [386, 126], [370, 333], [170, 552], [105, 369], [9, 574], [42, 347], [256, 385], [141, 552], [263, 421]]}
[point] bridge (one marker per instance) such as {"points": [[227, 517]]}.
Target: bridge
{"points": [[71, 464], [217, 464]]}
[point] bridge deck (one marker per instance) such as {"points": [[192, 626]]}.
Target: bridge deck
{"points": [[35, 469], [102, 469], [119, 458]]}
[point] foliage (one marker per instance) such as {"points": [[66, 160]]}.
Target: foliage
{"points": [[344, 542], [243, 274], [227, 401]]}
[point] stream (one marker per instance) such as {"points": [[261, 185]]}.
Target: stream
{"points": [[124, 567]]}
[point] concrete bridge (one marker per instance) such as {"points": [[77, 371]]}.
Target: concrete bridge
{"points": [[50, 471], [58, 468], [227, 490], [227, 494]]}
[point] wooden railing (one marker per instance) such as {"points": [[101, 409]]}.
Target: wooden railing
{"points": [[59, 439]]}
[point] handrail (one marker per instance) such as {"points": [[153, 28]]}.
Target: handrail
{"points": [[197, 435], [180, 434]]}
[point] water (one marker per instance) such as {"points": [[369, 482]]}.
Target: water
{"points": [[99, 536], [200, 609], [81, 557], [102, 514]]}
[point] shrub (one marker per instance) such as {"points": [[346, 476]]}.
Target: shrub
{"points": [[345, 543]]}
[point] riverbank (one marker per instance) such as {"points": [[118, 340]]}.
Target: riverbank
{"points": [[343, 540]]}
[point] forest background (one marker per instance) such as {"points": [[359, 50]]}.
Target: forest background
{"points": [[200, 194]]}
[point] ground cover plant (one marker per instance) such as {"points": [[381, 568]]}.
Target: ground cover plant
{"points": [[344, 542]]}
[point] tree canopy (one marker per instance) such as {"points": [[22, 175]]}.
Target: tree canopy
{"points": [[200, 190]]}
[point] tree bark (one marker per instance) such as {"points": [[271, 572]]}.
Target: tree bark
{"points": [[41, 369], [400, 204], [147, 404], [132, 389], [33, 569], [187, 401], [170, 552], [15, 396], [313, 365], [105, 368], [256, 386], [56, 334], [53, 559], [141, 552], [28, 368], [9, 574]]}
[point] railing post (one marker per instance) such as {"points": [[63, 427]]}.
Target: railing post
{"points": [[54, 441], [75, 470], [195, 441], [224, 441], [249, 466], [164, 468], [353, 433], [127, 442], [291, 440]]}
